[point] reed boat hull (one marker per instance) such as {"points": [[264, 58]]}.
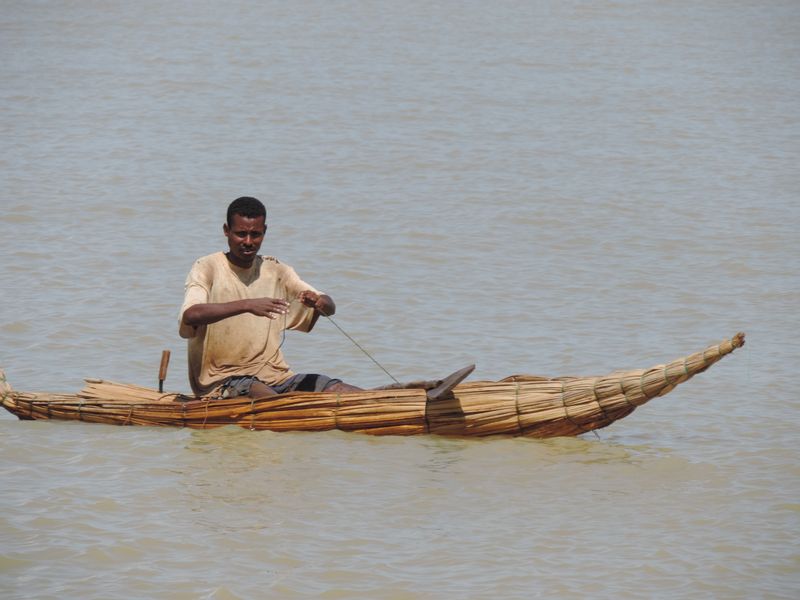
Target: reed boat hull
{"points": [[518, 405]]}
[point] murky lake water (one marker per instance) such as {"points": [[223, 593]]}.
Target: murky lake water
{"points": [[540, 187]]}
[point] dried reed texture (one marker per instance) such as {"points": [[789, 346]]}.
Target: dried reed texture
{"points": [[518, 405]]}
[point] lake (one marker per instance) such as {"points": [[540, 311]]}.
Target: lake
{"points": [[552, 188]]}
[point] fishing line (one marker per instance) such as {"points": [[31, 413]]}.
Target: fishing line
{"points": [[283, 337], [359, 346], [347, 335]]}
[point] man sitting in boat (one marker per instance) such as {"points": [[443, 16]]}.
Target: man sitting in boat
{"points": [[236, 308]]}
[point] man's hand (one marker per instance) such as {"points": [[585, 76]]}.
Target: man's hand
{"points": [[319, 302], [309, 298], [271, 308]]}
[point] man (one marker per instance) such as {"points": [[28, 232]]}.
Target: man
{"points": [[236, 308]]}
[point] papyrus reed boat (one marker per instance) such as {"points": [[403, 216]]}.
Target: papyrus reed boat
{"points": [[517, 405]]}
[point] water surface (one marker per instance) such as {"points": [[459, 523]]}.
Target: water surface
{"points": [[537, 187]]}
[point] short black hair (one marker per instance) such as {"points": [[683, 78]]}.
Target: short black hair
{"points": [[246, 206]]}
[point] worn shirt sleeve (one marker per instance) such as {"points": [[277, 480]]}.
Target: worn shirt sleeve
{"points": [[196, 291], [300, 316]]}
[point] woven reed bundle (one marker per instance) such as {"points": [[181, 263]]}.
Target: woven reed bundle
{"points": [[518, 405], [398, 412], [563, 406]]}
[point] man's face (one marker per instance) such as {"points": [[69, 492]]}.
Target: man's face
{"points": [[245, 236]]}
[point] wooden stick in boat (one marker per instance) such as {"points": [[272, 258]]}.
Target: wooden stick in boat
{"points": [[162, 370]]}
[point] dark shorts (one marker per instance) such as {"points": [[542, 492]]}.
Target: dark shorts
{"points": [[302, 382]]}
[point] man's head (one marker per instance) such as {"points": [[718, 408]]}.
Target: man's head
{"points": [[245, 230], [247, 207]]}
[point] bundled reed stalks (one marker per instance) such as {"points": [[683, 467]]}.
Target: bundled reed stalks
{"points": [[518, 405]]}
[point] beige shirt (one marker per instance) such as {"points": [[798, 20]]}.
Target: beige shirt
{"points": [[244, 344]]}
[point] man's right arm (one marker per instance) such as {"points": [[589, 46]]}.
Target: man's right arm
{"points": [[207, 313]]}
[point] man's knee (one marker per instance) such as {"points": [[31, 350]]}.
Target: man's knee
{"points": [[259, 389], [341, 386]]}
